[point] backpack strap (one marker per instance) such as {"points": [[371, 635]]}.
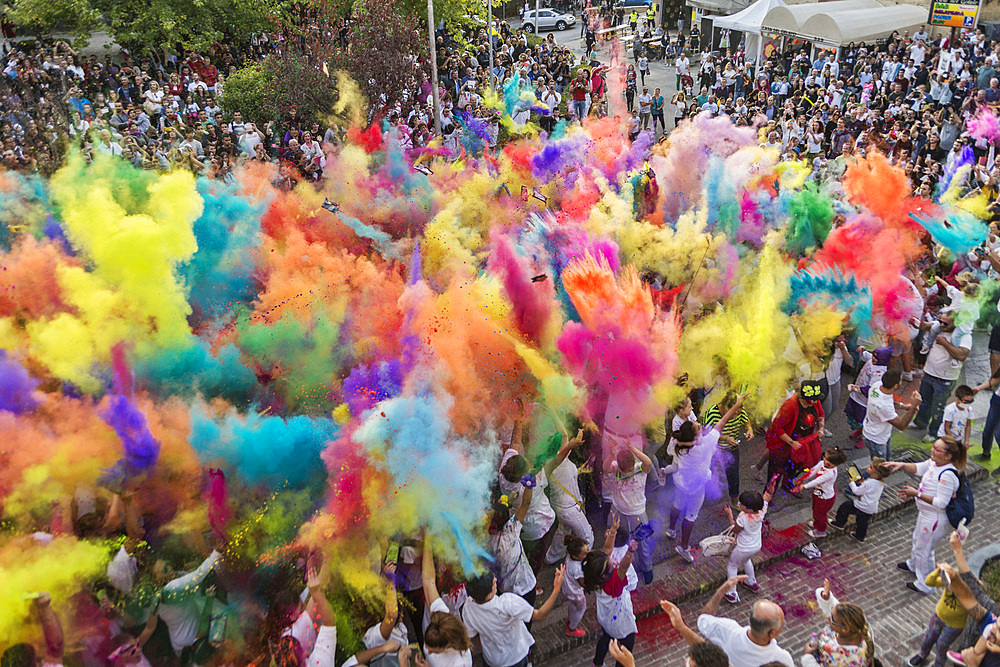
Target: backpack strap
{"points": [[958, 476]]}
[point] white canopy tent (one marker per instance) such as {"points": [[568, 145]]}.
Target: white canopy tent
{"points": [[865, 25], [749, 23], [787, 20], [718, 6], [831, 25]]}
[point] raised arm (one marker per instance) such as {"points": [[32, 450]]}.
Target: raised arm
{"points": [[712, 606], [51, 628], [563, 452], [609, 534], [391, 606], [522, 509], [730, 413], [542, 612], [428, 575], [677, 620], [647, 463]]}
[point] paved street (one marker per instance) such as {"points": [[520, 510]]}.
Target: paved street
{"points": [[860, 573]]}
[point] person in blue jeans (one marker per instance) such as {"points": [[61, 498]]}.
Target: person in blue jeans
{"points": [[943, 366], [992, 424]]}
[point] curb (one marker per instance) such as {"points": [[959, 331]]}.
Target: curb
{"points": [[779, 546]]}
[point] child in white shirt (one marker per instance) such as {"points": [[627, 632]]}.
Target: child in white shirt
{"points": [[957, 420], [572, 587], [823, 481], [868, 492], [747, 528]]}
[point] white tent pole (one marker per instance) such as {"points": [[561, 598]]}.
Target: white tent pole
{"points": [[760, 54]]}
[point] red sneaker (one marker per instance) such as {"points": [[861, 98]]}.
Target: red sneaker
{"points": [[579, 632]]}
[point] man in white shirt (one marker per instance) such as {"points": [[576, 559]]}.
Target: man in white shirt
{"points": [[683, 65], [941, 371], [921, 35], [108, 146], [747, 646], [881, 414], [499, 621], [645, 106], [917, 52]]}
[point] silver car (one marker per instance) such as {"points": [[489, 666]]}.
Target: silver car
{"points": [[548, 19]]}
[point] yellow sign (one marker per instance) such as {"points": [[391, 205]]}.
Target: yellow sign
{"points": [[954, 14]]}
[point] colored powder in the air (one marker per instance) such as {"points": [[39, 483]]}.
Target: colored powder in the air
{"points": [[984, 125], [62, 568], [532, 300], [17, 387], [430, 469], [809, 221], [29, 286], [221, 273], [194, 369], [261, 449], [129, 423], [135, 228]]}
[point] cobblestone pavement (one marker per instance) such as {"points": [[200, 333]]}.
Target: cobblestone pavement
{"points": [[862, 573]]}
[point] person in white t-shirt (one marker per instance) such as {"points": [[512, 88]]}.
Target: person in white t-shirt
{"points": [[516, 575], [938, 484], [822, 479], [876, 430], [501, 620], [446, 640], [576, 599], [868, 492], [539, 522], [606, 571], [628, 466], [941, 370], [957, 420], [567, 501], [840, 356], [747, 646], [747, 528], [289, 652], [389, 631]]}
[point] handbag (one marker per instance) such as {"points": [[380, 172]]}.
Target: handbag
{"points": [[718, 545]]}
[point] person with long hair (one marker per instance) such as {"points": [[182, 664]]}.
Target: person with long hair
{"points": [[847, 639], [939, 482], [614, 597], [692, 470]]}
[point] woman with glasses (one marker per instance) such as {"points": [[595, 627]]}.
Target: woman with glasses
{"points": [[939, 482]]}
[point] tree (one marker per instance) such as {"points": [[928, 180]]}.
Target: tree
{"points": [[77, 17], [247, 91], [386, 46]]}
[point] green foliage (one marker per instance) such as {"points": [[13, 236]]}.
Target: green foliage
{"points": [[265, 91], [248, 91], [77, 17]]}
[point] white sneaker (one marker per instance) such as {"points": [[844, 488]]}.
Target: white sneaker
{"points": [[827, 433], [685, 553], [928, 438], [907, 377], [732, 597], [671, 533], [816, 533]]}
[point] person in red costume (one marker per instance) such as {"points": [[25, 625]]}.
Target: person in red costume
{"points": [[793, 439]]}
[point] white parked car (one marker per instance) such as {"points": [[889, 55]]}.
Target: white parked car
{"points": [[548, 19]]}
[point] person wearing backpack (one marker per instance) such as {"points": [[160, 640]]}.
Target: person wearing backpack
{"points": [[940, 484]]}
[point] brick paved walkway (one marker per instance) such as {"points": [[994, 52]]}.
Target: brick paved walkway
{"points": [[861, 573]]}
